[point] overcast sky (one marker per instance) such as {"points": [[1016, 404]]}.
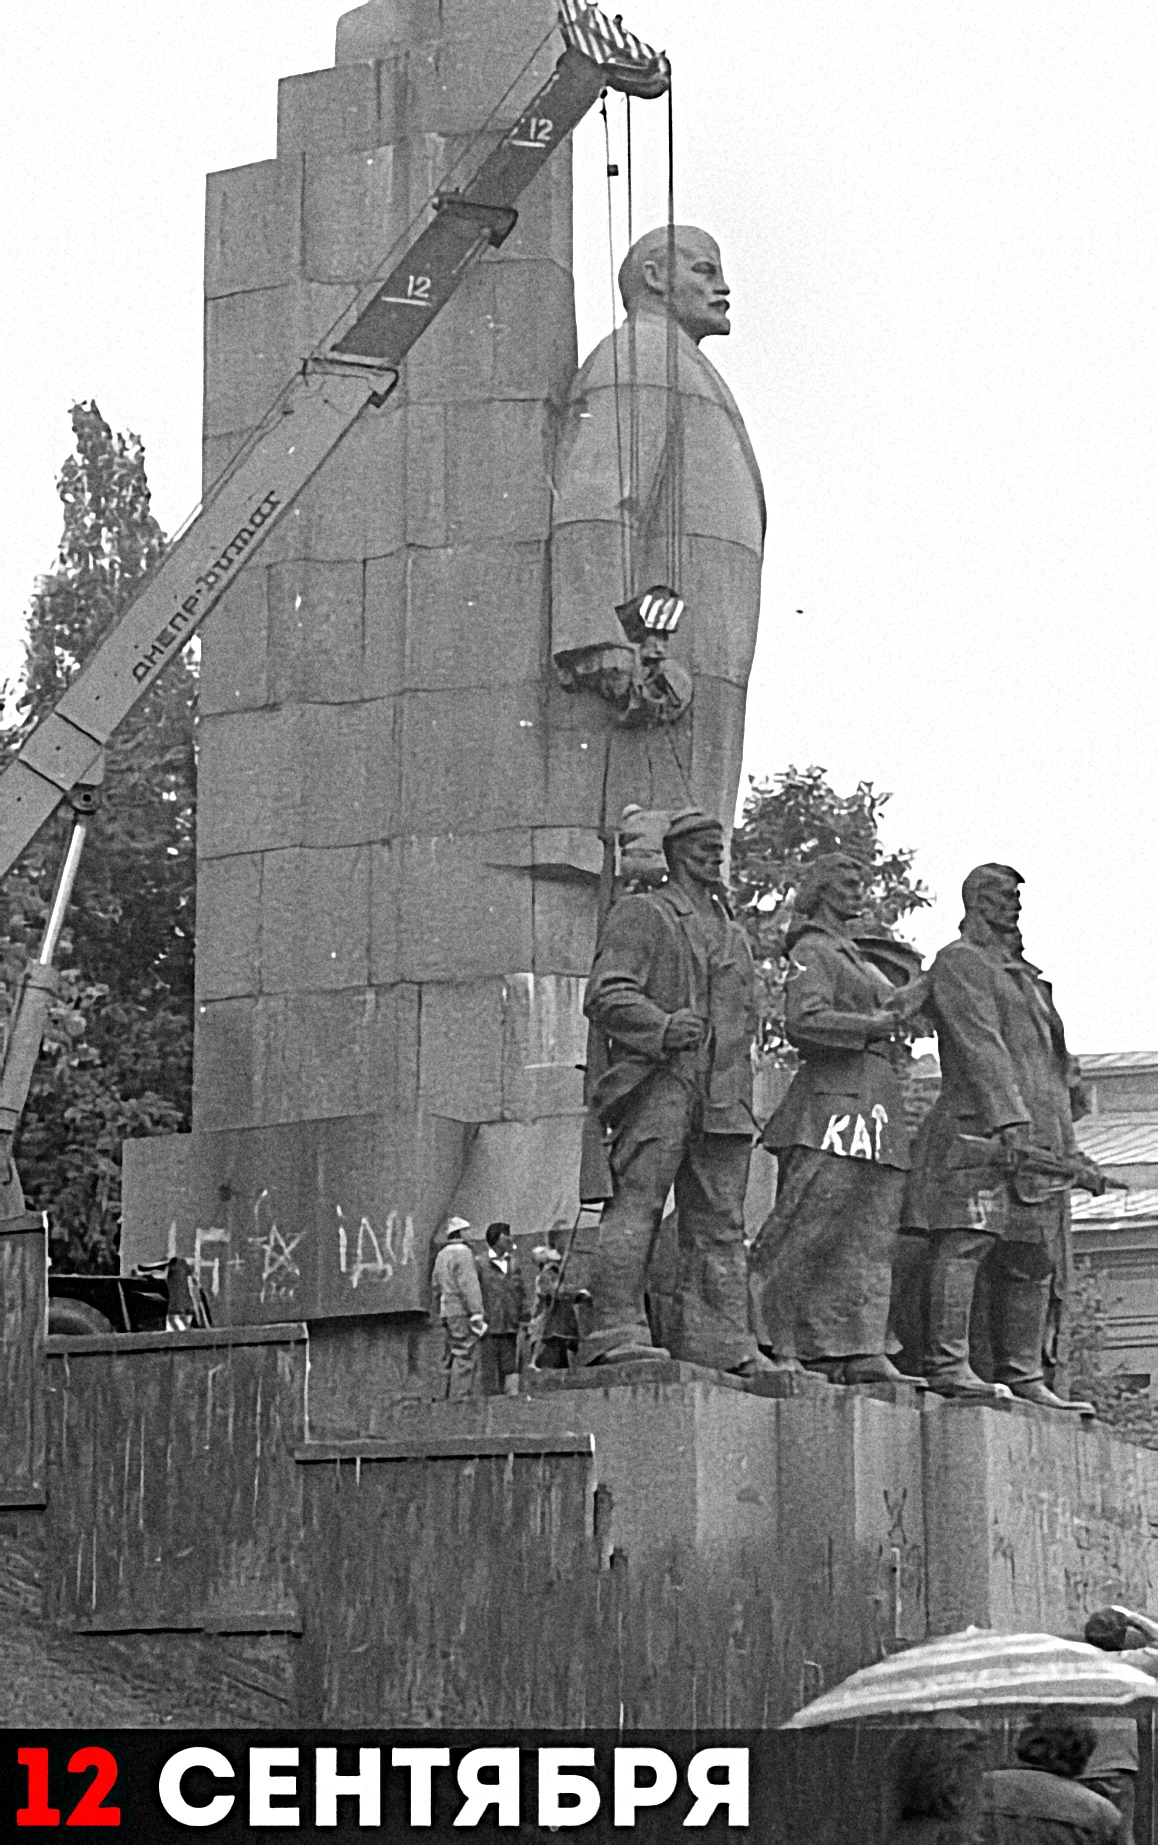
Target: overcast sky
{"points": [[938, 221]]}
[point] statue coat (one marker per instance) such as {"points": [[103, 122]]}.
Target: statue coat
{"points": [[821, 1265], [608, 542], [846, 1097], [1003, 1062], [656, 956]]}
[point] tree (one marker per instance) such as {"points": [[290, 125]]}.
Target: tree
{"points": [[1119, 1400], [788, 822], [117, 1059]]}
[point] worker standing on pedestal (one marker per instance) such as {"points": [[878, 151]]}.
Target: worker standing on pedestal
{"points": [[455, 1286], [504, 1308], [673, 991]]}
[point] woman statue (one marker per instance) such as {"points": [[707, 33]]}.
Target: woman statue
{"points": [[821, 1265]]}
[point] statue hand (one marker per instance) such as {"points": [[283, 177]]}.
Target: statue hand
{"points": [[685, 1031], [884, 1024], [907, 1001], [661, 691], [1017, 1135], [608, 671]]}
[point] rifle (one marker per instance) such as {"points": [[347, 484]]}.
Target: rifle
{"points": [[1035, 1173]]}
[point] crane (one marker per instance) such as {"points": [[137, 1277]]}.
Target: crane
{"points": [[59, 763]]}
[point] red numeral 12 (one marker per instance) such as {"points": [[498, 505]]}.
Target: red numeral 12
{"points": [[90, 1809], [37, 1812]]}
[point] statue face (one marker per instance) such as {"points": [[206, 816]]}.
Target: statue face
{"points": [[844, 891], [999, 902], [699, 292], [702, 854]]}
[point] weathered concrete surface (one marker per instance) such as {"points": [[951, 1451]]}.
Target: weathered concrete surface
{"points": [[1034, 1518], [676, 1579], [274, 1526], [395, 920], [23, 1303], [144, 1428], [56, 1676]]}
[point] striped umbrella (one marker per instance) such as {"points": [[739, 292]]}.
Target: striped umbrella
{"points": [[979, 1668]]}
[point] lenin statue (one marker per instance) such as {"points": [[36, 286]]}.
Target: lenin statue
{"points": [[656, 483]]}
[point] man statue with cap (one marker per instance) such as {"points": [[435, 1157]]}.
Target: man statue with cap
{"points": [[656, 484], [993, 1159], [673, 994]]}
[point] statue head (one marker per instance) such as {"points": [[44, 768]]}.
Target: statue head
{"points": [[697, 290], [694, 841], [836, 882], [992, 894]]}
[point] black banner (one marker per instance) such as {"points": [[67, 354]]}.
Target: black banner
{"points": [[166, 1785]]}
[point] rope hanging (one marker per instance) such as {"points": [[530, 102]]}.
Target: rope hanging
{"points": [[626, 486], [664, 508], [673, 430]]}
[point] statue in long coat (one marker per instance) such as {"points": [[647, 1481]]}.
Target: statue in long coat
{"points": [[656, 483]]}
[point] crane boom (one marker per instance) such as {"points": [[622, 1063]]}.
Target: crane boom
{"points": [[61, 758], [358, 368]]}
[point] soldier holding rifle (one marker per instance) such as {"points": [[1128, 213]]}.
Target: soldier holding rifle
{"points": [[994, 1161]]}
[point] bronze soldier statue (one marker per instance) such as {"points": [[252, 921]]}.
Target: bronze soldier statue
{"points": [[673, 993], [822, 1262], [994, 1159]]}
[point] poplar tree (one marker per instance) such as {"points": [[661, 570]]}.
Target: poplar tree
{"points": [[117, 1059], [789, 821]]}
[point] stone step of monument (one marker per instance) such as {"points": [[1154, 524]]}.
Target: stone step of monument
{"points": [[634, 1371], [679, 1371]]}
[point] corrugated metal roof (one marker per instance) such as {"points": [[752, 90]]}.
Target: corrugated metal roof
{"points": [[1119, 1140], [1114, 1207], [1101, 1063]]}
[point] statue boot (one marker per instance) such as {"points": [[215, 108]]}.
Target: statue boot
{"points": [[957, 1255], [876, 1368], [1020, 1309], [862, 1368], [760, 1364]]}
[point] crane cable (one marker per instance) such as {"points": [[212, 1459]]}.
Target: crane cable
{"points": [[674, 425], [672, 465], [626, 478], [666, 497]]}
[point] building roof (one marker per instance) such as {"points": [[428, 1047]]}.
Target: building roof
{"points": [[1115, 1207], [1119, 1140], [1106, 1063]]}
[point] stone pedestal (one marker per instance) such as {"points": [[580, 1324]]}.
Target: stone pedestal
{"points": [[675, 1554], [1034, 1518], [685, 1551], [395, 915], [672, 1551]]}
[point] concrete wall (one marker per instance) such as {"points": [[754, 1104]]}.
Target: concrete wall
{"points": [[23, 1308], [257, 1525], [395, 917], [1034, 1520]]}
